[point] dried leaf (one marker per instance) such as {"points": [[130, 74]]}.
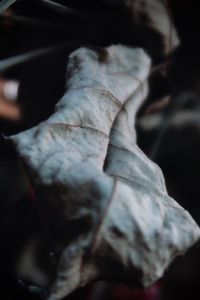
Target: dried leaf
{"points": [[155, 14], [123, 226], [156, 236]]}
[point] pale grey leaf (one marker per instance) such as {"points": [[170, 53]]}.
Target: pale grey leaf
{"points": [[89, 170]]}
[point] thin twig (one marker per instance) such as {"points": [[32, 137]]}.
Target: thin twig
{"points": [[25, 57], [62, 9], [44, 24], [85, 17]]}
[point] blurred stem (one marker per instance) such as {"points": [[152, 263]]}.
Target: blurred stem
{"points": [[178, 104], [5, 4]]}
